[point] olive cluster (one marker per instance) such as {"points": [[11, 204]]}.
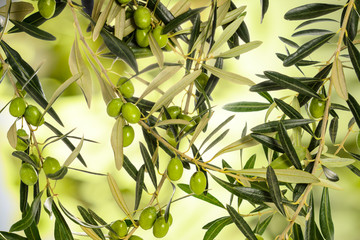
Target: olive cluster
{"points": [[150, 218], [129, 111], [175, 113], [119, 230]]}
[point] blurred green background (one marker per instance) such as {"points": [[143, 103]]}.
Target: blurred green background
{"points": [[189, 215]]}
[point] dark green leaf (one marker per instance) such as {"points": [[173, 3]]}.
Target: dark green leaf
{"points": [[300, 63], [352, 24], [354, 108], [120, 49], [273, 125], [274, 189], [217, 140], [194, 35], [326, 223], [33, 31], [24, 191], [29, 217], [243, 32], [289, 42], [174, 23], [272, 86], [314, 142], [11, 236], [228, 166], [354, 57], [167, 210], [288, 146], [310, 227], [32, 232], [333, 129], [241, 223], [139, 186], [305, 23], [354, 169], [246, 106], [268, 142], [339, 107], [297, 232], [61, 231], [59, 174], [264, 8], [36, 192], [290, 83], [310, 32], [306, 49], [261, 227], [216, 226], [151, 143], [329, 174], [207, 198], [311, 10], [216, 130], [65, 140], [149, 164], [89, 219], [250, 162], [24, 157]]}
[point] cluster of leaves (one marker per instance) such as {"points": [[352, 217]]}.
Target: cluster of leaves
{"points": [[284, 187]]}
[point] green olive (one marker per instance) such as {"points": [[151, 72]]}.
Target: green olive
{"points": [[134, 237], [162, 213], [201, 81], [28, 174], [142, 37], [147, 218], [142, 17], [120, 228], [126, 87], [160, 38], [128, 135], [33, 115], [131, 112], [173, 111], [19, 87], [160, 227], [17, 107], [47, 8], [21, 145], [113, 107], [123, 1], [198, 182], [175, 169], [188, 127], [51, 165], [317, 108]]}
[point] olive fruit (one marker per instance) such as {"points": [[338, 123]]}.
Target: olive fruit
{"points": [[160, 227], [123, 1], [142, 17], [160, 38], [19, 87], [162, 213], [126, 87], [134, 237], [131, 112], [201, 81], [21, 145], [33, 116], [142, 37], [147, 218], [28, 174], [198, 182], [175, 169], [113, 107], [173, 111], [17, 107], [189, 119], [120, 228], [317, 107], [51, 165], [128, 135], [47, 8]]}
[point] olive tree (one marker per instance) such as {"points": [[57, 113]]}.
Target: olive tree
{"points": [[298, 141]]}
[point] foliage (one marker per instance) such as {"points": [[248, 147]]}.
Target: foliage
{"points": [[293, 143]]}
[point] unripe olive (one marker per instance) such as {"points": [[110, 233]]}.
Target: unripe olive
{"points": [[131, 112], [175, 169], [147, 218], [21, 145], [51, 165], [198, 182], [317, 107], [120, 228], [19, 87], [189, 119], [17, 107], [142, 17], [173, 111], [28, 174], [128, 135], [201, 81], [113, 107], [160, 38], [142, 37], [160, 227], [123, 1], [33, 115], [162, 213], [126, 87], [47, 8], [134, 237]]}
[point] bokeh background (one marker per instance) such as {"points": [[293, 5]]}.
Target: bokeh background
{"points": [[189, 215]]}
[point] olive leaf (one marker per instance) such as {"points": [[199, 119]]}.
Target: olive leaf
{"points": [[246, 106], [117, 142], [237, 51], [241, 223], [244, 142], [74, 153], [174, 23], [18, 10], [101, 20], [33, 31], [91, 233], [216, 226], [230, 76], [12, 135], [156, 50], [338, 79], [311, 10], [310, 32], [207, 198]]}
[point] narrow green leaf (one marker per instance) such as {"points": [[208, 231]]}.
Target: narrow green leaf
{"points": [[216, 130], [216, 141], [237, 51], [333, 129], [241, 223], [290, 83], [329, 174], [308, 22], [274, 188], [288, 146], [354, 108], [60, 174], [300, 63], [230, 76], [156, 50], [62, 231], [264, 8], [337, 162], [289, 42], [149, 164], [310, 227], [32, 232], [74, 153], [338, 79], [310, 32], [89, 219], [139, 186], [273, 125], [267, 141], [226, 165], [306, 49], [117, 142], [167, 210], [194, 35], [216, 227], [242, 143], [297, 232], [354, 57], [246, 106], [250, 163], [207, 198], [311, 10], [24, 157], [120, 49], [174, 23], [33, 31], [261, 227], [10, 236]]}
